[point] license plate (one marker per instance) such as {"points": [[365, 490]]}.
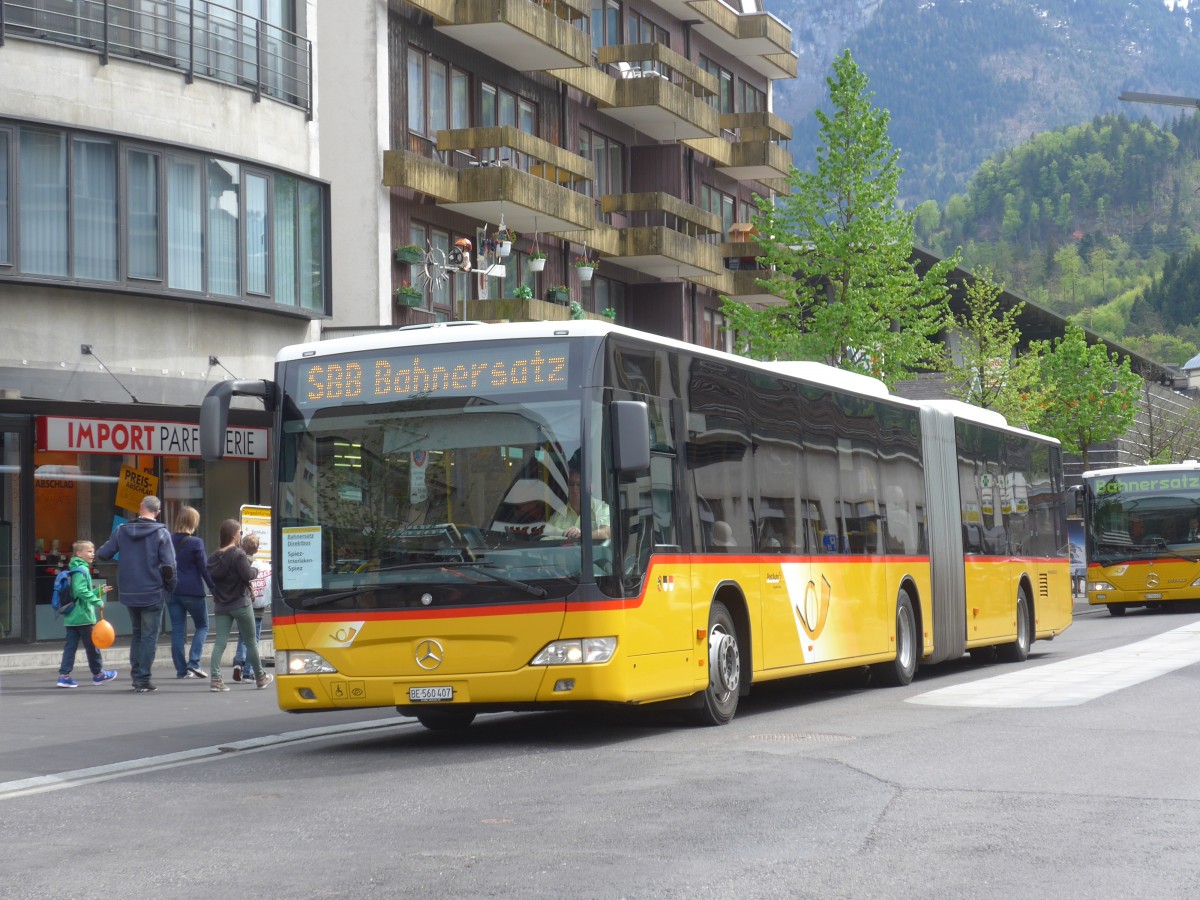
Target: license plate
{"points": [[1153, 597], [430, 694]]}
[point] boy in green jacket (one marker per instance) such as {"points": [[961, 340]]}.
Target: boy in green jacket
{"points": [[82, 616]]}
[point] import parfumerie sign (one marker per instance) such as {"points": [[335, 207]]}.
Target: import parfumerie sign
{"points": [[77, 435]]}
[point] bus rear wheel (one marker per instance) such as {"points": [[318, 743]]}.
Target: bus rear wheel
{"points": [[719, 700], [446, 719], [900, 671], [1018, 650]]}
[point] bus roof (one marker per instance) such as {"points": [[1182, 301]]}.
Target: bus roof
{"points": [[1188, 465], [462, 332]]}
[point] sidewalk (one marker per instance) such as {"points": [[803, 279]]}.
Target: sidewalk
{"points": [[48, 655]]}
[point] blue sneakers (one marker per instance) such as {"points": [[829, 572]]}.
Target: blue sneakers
{"points": [[66, 681], [105, 675]]}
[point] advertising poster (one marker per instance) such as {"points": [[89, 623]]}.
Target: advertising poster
{"points": [[256, 520]]}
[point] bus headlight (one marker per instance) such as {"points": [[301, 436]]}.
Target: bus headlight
{"points": [[301, 662], [1103, 586], [576, 652]]}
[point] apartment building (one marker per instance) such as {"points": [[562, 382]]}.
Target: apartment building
{"points": [[468, 139], [162, 227]]}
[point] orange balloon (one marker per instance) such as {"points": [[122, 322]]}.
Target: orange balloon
{"points": [[103, 634]]}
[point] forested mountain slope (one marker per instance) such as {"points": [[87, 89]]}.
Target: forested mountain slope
{"points": [[1099, 222], [965, 79]]}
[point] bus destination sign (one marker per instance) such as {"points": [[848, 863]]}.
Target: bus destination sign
{"points": [[463, 371], [1148, 484]]}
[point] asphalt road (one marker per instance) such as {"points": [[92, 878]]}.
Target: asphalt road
{"points": [[822, 787]]}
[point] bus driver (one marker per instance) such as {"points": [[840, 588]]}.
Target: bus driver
{"points": [[565, 522]]}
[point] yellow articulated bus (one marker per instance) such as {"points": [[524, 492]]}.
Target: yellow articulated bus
{"points": [[1142, 532], [477, 517]]}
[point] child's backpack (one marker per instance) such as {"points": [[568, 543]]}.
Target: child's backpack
{"points": [[62, 601]]}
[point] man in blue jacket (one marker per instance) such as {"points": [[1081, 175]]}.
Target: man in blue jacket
{"points": [[145, 576]]}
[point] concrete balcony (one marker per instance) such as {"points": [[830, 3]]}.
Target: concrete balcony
{"points": [[526, 35], [739, 281], [659, 92], [665, 237], [750, 148], [509, 309], [760, 39], [497, 172]]}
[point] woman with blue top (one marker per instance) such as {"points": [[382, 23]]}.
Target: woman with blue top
{"points": [[191, 562]]}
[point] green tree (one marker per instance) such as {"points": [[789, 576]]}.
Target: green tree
{"points": [[1087, 395], [856, 300], [989, 372]]}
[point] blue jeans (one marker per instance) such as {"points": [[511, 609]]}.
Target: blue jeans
{"points": [[179, 607], [75, 634], [143, 642], [239, 653]]}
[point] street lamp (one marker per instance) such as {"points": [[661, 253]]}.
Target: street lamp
{"points": [[1161, 99]]}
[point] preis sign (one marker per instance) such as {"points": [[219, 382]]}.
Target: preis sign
{"points": [[141, 436]]}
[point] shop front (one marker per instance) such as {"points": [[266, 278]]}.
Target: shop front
{"points": [[78, 472]]}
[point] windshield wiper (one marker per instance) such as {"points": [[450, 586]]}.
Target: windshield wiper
{"points": [[483, 568], [1161, 546], [322, 599]]}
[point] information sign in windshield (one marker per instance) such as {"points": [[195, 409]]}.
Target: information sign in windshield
{"points": [[459, 371]]}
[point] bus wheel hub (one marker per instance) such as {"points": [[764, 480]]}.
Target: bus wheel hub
{"points": [[724, 662]]}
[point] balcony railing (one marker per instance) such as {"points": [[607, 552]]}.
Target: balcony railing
{"points": [[195, 37]]}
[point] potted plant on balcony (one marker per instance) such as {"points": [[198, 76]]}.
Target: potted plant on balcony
{"points": [[537, 260], [586, 267], [410, 254], [577, 310], [558, 294], [523, 292], [504, 241], [408, 295]]}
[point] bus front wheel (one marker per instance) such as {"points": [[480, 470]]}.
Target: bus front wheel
{"points": [[1116, 609], [1018, 650], [719, 700], [900, 671]]}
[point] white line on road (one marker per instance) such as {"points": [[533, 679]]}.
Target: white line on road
{"points": [[1076, 681], [41, 784]]}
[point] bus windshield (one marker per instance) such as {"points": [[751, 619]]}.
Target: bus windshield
{"points": [[1134, 516], [448, 501]]}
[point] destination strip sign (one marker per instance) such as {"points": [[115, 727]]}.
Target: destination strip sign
{"points": [[77, 435]]}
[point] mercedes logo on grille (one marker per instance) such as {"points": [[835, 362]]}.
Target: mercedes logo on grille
{"points": [[430, 654], [1152, 580]]}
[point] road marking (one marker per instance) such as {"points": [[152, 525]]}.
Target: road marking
{"points": [[41, 784], [1076, 681]]}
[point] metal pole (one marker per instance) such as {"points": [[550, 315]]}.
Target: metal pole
{"points": [[191, 68], [104, 41]]}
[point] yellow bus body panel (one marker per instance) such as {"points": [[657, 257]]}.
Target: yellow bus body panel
{"points": [[1145, 581], [804, 614]]}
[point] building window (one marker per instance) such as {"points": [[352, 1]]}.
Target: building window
{"points": [[716, 334], [723, 101], [5, 168], [141, 214], [185, 228], [438, 95], [751, 99], [99, 209], [223, 185], [720, 204], [43, 202], [605, 23], [257, 259], [607, 157], [608, 294]]}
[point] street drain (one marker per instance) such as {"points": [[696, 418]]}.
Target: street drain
{"points": [[809, 737]]}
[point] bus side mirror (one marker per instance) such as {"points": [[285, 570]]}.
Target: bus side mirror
{"points": [[214, 413], [1073, 496], [630, 435]]}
